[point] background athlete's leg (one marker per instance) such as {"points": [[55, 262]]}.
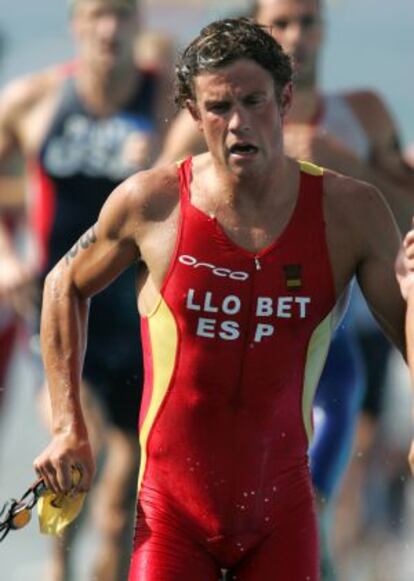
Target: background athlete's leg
{"points": [[337, 404], [113, 500], [113, 505]]}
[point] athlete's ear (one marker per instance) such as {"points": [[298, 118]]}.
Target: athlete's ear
{"points": [[194, 112], [286, 99]]}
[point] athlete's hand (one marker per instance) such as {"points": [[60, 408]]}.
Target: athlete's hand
{"points": [[66, 450], [404, 265]]}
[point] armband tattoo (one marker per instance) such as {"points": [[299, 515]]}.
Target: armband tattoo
{"points": [[83, 243]]}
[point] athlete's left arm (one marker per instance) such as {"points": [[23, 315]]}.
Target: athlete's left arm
{"points": [[381, 245], [378, 242]]}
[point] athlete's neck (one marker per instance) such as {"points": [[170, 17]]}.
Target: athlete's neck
{"points": [[255, 190], [106, 91], [306, 106]]}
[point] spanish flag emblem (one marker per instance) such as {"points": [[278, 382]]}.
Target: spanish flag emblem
{"points": [[293, 276]]}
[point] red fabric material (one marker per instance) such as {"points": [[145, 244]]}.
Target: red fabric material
{"points": [[228, 450], [167, 547]]}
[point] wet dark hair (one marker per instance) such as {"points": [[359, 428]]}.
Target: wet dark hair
{"points": [[222, 43]]}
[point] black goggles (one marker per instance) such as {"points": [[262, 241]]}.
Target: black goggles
{"points": [[16, 514]]}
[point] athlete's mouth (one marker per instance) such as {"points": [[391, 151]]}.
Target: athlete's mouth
{"points": [[109, 47], [243, 149]]}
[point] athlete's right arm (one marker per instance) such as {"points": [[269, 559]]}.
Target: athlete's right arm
{"points": [[122, 234], [96, 259]]}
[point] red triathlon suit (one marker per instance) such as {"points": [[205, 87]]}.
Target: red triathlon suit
{"points": [[233, 352]]}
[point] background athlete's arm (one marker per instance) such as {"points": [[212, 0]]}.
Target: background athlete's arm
{"points": [[379, 241], [15, 100], [182, 139], [409, 332], [12, 109], [385, 166], [409, 336], [98, 257], [404, 268]]}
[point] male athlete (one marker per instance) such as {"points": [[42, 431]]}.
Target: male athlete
{"points": [[82, 129], [243, 255]]}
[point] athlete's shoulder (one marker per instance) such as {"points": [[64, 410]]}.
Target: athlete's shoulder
{"points": [[338, 185], [354, 201], [150, 195], [154, 52], [358, 218], [363, 96], [25, 92]]}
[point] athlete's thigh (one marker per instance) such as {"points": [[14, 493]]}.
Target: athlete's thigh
{"points": [[162, 552], [290, 553]]}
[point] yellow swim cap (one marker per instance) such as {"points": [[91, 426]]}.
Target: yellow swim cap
{"points": [[57, 511]]}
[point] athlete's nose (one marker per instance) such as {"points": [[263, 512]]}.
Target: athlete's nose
{"points": [[238, 120], [292, 36], [109, 25]]}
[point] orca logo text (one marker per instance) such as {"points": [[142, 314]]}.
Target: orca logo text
{"points": [[216, 270]]}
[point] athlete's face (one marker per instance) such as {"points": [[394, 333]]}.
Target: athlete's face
{"points": [[297, 26], [237, 110], [105, 31]]}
